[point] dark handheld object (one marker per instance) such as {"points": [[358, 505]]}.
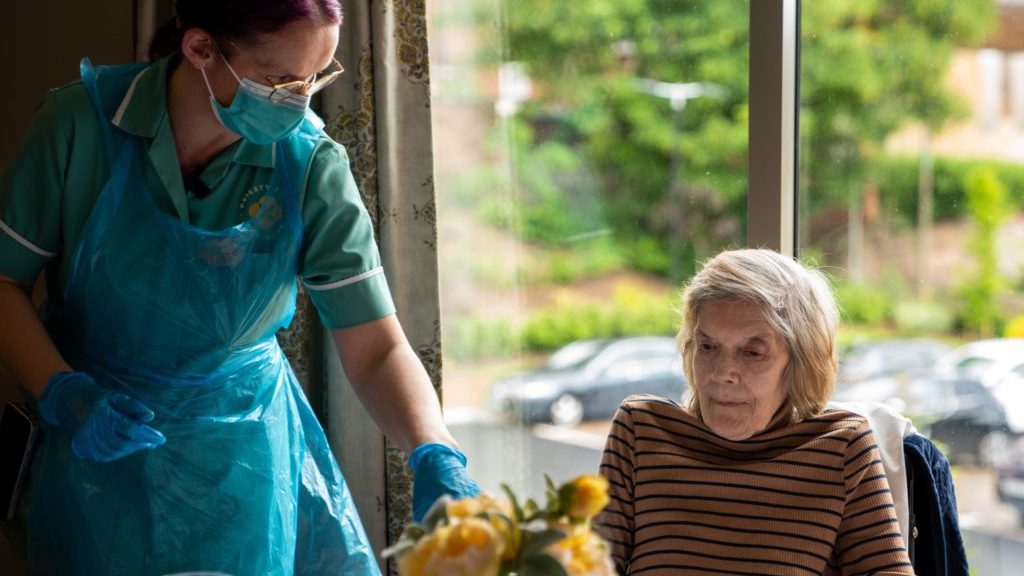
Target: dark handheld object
{"points": [[18, 430]]}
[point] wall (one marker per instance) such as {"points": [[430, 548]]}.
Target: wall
{"points": [[41, 44], [992, 552], [502, 453]]}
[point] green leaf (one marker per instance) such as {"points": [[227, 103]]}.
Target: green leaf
{"points": [[508, 567], [515, 503], [508, 521], [549, 484], [410, 536], [535, 541], [398, 549], [438, 514], [530, 510], [554, 507], [413, 532], [542, 565]]}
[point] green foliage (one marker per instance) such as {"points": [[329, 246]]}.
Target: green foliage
{"points": [[917, 317], [521, 533], [897, 178], [475, 337], [586, 260], [862, 304], [868, 68], [648, 254], [624, 316], [988, 209], [893, 57], [630, 312]]}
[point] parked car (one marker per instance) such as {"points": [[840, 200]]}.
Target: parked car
{"points": [[1009, 391], [990, 360], [998, 363], [1010, 478], [867, 360], [588, 379], [958, 412]]}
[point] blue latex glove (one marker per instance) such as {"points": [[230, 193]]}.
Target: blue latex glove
{"points": [[104, 425], [438, 469]]}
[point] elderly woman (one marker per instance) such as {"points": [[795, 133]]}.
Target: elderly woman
{"points": [[754, 475]]}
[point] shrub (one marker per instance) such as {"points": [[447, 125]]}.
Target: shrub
{"points": [[897, 182], [988, 209], [476, 337], [585, 260], [649, 254], [862, 304], [922, 317], [630, 313]]}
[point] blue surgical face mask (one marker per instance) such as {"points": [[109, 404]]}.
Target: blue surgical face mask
{"points": [[258, 113]]}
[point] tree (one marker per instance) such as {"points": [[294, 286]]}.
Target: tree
{"points": [[989, 209], [867, 68]]}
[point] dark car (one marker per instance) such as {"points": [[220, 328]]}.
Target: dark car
{"points": [[867, 360], [957, 412], [1010, 477], [588, 379]]}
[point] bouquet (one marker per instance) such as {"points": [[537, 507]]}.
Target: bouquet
{"points": [[487, 536]]}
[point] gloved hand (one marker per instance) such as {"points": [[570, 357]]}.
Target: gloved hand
{"points": [[104, 425], [438, 469]]}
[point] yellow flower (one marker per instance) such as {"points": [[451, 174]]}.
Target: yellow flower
{"points": [[588, 495], [583, 553], [484, 502], [466, 547]]}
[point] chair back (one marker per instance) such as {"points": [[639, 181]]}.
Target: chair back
{"points": [[890, 429]]}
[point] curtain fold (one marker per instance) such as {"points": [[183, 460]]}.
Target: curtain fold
{"points": [[380, 111]]}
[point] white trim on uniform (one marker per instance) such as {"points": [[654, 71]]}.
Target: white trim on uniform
{"points": [[346, 281], [24, 242], [116, 120]]}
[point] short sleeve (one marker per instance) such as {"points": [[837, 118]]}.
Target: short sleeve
{"points": [[340, 264], [615, 522], [30, 196]]}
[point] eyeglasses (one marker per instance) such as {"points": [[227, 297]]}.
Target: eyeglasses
{"points": [[306, 87], [281, 90]]}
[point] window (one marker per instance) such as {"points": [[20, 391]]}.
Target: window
{"points": [[908, 197], [583, 169], [581, 172]]}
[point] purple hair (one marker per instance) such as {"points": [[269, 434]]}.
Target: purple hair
{"points": [[239, 20]]}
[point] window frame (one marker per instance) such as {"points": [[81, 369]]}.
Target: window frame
{"points": [[773, 132]]}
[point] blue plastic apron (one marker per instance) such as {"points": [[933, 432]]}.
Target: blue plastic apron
{"points": [[184, 320]]}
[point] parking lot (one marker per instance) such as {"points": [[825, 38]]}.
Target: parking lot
{"points": [[959, 405]]}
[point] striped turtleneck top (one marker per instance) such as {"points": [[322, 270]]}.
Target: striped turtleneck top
{"points": [[804, 498]]}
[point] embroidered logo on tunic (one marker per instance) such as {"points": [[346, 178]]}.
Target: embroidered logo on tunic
{"points": [[257, 199]]}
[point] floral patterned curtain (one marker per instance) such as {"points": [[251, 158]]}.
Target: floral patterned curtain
{"points": [[380, 112]]}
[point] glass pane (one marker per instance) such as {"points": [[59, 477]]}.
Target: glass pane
{"points": [[587, 155], [911, 189]]}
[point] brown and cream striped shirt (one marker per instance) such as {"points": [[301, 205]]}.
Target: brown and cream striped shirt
{"points": [[804, 498]]}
